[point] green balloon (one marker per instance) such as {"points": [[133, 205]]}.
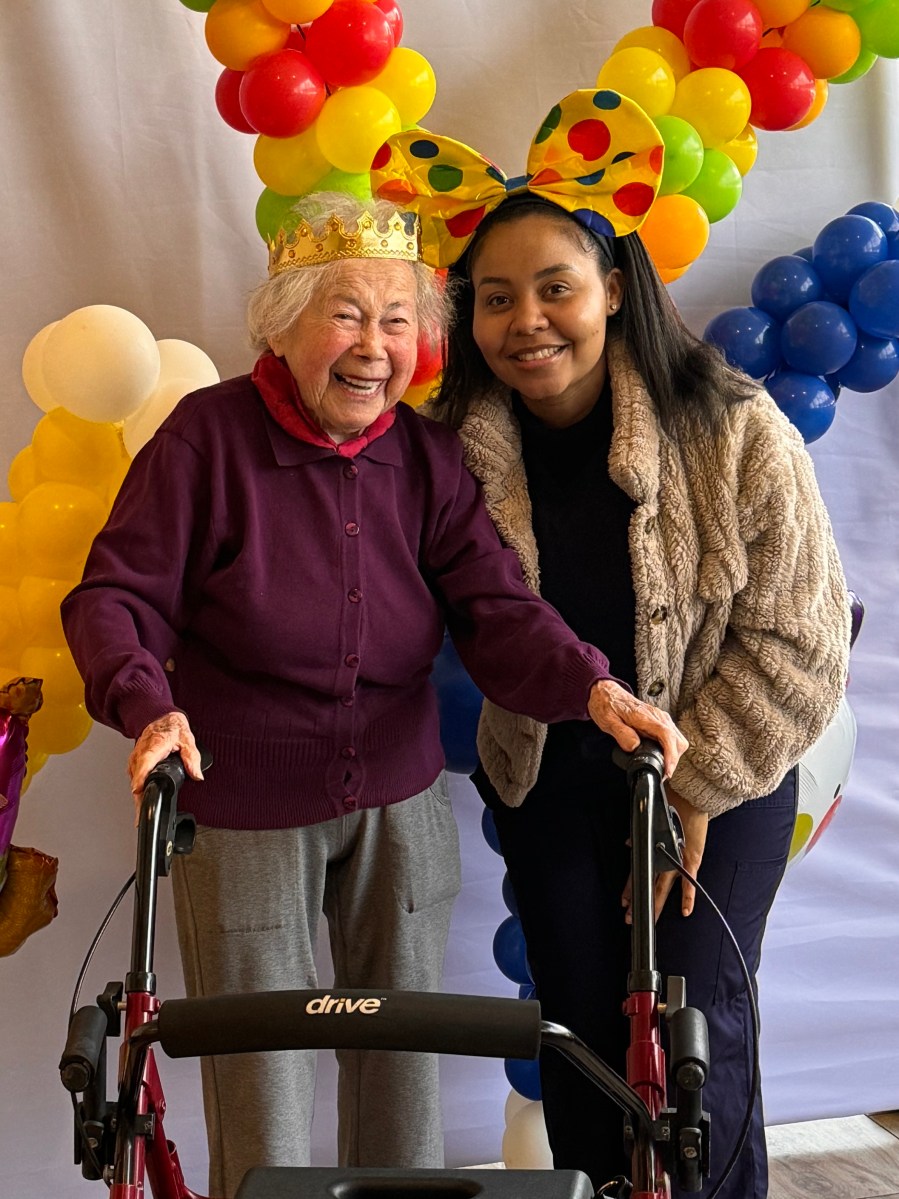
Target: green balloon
{"points": [[683, 154], [878, 23], [861, 66], [198, 5], [717, 187], [844, 5], [358, 185], [271, 209]]}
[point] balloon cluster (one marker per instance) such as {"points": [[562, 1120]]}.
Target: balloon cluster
{"points": [[104, 385], [321, 84], [712, 72], [821, 319]]}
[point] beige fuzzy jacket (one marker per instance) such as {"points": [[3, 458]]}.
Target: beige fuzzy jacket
{"points": [[743, 617]]}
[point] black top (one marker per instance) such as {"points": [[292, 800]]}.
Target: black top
{"points": [[581, 521]]}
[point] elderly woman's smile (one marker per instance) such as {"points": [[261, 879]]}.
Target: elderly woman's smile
{"points": [[353, 348]]}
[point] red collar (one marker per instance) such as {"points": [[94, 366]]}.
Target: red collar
{"points": [[279, 391]]}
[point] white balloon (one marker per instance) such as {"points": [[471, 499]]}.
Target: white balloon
{"points": [[33, 370], [140, 427], [100, 363], [515, 1101], [823, 771], [525, 1144], [183, 360]]}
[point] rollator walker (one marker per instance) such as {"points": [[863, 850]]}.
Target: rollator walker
{"points": [[123, 1141]]}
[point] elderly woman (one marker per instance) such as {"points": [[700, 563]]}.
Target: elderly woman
{"points": [[276, 577]]}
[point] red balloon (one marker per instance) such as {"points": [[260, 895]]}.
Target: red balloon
{"points": [[391, 11], [350, 42], [296, 39], [227, 101], [671, 14], [428, 363], [282, 93], [781, 85], [723, 33]]}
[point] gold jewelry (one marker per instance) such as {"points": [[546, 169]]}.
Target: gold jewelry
{"points": [[300, 247]]}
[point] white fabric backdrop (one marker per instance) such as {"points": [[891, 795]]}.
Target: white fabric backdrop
{"points": [[121, 185]]}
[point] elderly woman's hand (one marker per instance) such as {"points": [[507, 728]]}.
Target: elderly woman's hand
{"points": [[159, 739], [627, 719], [696, 826]]}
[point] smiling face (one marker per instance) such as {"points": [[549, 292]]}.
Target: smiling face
{"points": [[353, 348], [540, 310]]}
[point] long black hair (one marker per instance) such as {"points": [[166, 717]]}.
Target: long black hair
{"points": [[680, 371]]}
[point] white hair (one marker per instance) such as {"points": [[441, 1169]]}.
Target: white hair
{"points": [[276, 304]]}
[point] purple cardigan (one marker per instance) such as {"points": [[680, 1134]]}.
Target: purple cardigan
{"points": [[291, 602]]}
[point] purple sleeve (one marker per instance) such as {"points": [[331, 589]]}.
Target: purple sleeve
{"points": [[123, 618], [516, 647]]}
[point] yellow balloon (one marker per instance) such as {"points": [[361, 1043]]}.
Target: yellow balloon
{"points": [[408, 80], [675, 232], [290, 166], [297, 12], [662, 41], [101, 362], [56, 524], [641, 75], [39, 600], [34, 763], [58, 728], [353, 125], [12, 637], [68, 449], [55, 665], [237, 31], [23, 473], [715, 101], [139, 428], [9, 551], [183, 360], [33, 371], [777, 13], [743, 150], [821, 92]]}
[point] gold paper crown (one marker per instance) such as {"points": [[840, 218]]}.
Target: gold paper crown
{"points": [[301, 247]]}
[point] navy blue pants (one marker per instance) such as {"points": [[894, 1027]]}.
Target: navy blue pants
{"points": [[568, 863]]}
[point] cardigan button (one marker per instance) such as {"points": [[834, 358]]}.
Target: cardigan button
{"points": [[351, 803], [660, 615], [348, 752], [354, 595], [655, 688], [351, 660], [350, 472], [351, 529]]}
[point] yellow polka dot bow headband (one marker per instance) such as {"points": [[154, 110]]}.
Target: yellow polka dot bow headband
{"points": [[597, 155]]}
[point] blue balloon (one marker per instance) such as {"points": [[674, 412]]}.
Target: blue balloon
{"points": [[524, 1077], [527, 991], [748, 338], [509, 895], [805, 252], [880, 213], [805, 400], [459, 705], [510, 951], [784, 284], [874, 364], [874, 300], [488, 828], [844, 249], [818, 338]]}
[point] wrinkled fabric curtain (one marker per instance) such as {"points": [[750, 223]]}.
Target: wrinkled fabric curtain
{"points": [[121, 185]]}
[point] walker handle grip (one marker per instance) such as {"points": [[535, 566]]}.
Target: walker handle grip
{"points": [[475, 1025]]}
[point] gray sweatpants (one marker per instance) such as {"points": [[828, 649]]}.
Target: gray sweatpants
{"points": [[247, 908]]}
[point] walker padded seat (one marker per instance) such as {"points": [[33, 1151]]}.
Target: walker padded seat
{"points": [[283, 1182]]}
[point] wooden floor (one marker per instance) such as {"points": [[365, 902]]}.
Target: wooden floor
{"points": [[856, 1157]]}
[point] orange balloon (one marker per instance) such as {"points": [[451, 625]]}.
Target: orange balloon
{"points": [[11, 635], [777, 13], [23, 473], [828, 40], [668, 275], [675, 232], [68, 449], [237, 31], [821, 90], [9, 550]]}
